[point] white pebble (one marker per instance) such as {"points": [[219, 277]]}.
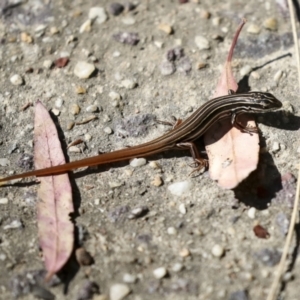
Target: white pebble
{"points": [[129, 278], [160, 272], [13, 225], [251, 213], [182, 208], [277, 76], [47, 64], [74, 149], [87, 137], [83, 69], [177, 267], [16, 79], [4, 162], [108, 130], [180, 188], [137, 162], [98, 13], [3, 200], [114, 95], [172, 231], [97, 201], [128, 21], [255, 75], [201, 42], [59, 102], [253, 28], [118, 291], [275, 147], [217, 250], [86, 26], [55, 111], [158, 44], [92, 108], [128, 84], [116, 54], [2, 257], [245, 70]]}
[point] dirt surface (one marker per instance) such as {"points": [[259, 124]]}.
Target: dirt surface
{"points": [[203, 241]]}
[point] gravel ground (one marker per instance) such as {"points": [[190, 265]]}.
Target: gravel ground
{"points": [[105, 74]]}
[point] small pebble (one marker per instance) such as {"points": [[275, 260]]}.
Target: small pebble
{"points": [[59, 102], [92, 108], [54, 30], [177, 267], [275, 147], [202, 43], [253, 29], [26, 38], [158, 44], [255, 75], [47, 64], [98, 14], [128, 84], [278, 76], [80, 90], [86, 26], [245, 70], [75, 109], [251, 212], [114, 95], [167, 68], [217, 250], [129, 38], [201, 65], [138, 162], [3, 200], [16, 79], [166, 28], [129, 278], [184, 65], [157, 181], [55, 111], [97, 201], [154, 165], [271, 24], [84, 70], [128, 20], [74, 149], [216, 21], [83, 257], [4, 162], [138, 212], [204, 14], [182, 208], [185, 252], [172, 231], [118, 291], [160, 272], [108, 130], [70, 125], [115, 8], [180, 188], [13, 225]]}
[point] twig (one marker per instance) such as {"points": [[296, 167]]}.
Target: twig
{"points": [[280, 269]]}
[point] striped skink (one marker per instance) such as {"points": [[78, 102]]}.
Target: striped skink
{"points": [[181, 136]]}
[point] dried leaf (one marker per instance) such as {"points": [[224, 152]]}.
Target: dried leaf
{"points": [[233, 155], [56, 231]]}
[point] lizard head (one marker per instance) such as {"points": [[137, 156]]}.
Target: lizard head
{"points": [[265, 101]]}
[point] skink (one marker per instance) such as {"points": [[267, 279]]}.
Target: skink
{"points": [[181, 136]]}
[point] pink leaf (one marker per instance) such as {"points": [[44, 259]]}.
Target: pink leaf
{"points": [[232, 154], [56, 231]]}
